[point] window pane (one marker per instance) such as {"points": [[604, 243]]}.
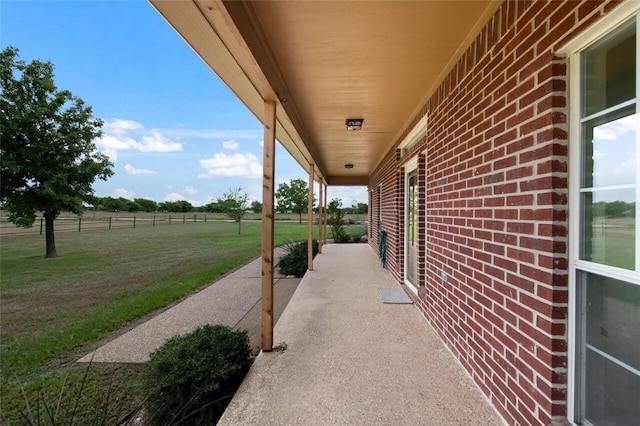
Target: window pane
{"points": [[613, 318], [612, 380], [609, 147], [609, 70], [612, 393], [608, 166], [608, 227]]}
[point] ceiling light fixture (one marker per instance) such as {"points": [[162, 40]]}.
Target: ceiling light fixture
{"points": [[354, 123], [348, 166]]}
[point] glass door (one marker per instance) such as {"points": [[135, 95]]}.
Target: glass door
{"points": [[411, 230]]}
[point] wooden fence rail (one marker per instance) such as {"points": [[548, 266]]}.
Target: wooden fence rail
{"points": [[117, 220]]}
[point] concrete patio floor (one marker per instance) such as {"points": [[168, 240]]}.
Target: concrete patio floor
{"points": [[343, 357]]}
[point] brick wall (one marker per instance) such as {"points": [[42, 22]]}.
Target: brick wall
{"points": [[494, 189]]}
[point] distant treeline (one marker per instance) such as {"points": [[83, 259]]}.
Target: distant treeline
{"points": [[613, 209], [122, 204]]}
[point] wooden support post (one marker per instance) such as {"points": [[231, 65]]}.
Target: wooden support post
{"points": [[310, 217], [326, 202], [320, 242], [268, 170]]}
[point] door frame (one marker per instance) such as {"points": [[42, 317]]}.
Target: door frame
{"points": [[410, 167]]}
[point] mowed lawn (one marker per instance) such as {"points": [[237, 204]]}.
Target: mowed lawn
{"points": [[104, 279]]}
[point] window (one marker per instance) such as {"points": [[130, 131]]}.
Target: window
{"points": [[606, 266], [608, 172]]}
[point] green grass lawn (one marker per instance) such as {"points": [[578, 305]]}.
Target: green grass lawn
{"points": [[54, 310]]}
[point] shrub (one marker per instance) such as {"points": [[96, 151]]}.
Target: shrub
{"points": [[357, 234], [296, 258], [342, 238], [191, 378], [337, 222]]}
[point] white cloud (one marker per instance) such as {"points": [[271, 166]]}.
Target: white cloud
{"points": [[118, 126], [190, 190], [127, 135], [133, 171], [236, 165], [231, 145], [347, 194], [182, 132], [174, 196], [612, 130], [111, 144], [627, 169], [156, 142], [121, 192]]}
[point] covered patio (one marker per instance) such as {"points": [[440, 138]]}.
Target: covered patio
{"points": [[337, 84], [341, 356], [473, 125]]}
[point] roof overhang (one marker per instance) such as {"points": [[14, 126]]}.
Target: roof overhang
{"points": [[324, 62]]}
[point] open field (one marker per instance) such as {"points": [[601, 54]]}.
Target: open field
{"points": [[55, 310], [612, 242], [92, 220], [102, 279]]}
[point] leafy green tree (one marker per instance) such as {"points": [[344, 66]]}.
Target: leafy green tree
{"points": [[181, 206], [214, 207], [235, 203], [604, 209], [336, 221], [293, 197], [256, 207], [132, 206], [49, 160], [360, 208], [146, 204], [111, 204]]}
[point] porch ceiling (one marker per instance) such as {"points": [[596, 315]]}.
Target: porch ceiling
{"points": [[324, 62]]}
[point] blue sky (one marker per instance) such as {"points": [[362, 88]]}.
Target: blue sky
{"points": [[172, 129]]}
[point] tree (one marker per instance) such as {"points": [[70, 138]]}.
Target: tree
{"points": [[111, 204], [235, 204], [256, 207], [181, 206], [336, 221], [146, 204], [360, 208], [49, 160], [293, 197]]}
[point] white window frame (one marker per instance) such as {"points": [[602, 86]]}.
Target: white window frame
{"points": [[572, 49], [418, 131]]}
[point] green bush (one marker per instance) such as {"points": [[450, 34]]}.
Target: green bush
{"points": [[191, 378], [296, 258], [336, 221], [357, 233]]}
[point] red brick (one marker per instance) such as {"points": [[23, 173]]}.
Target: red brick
{"points": [[521, 255], [552, 198], [520, 227], [505, 264], [521, 282]]}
